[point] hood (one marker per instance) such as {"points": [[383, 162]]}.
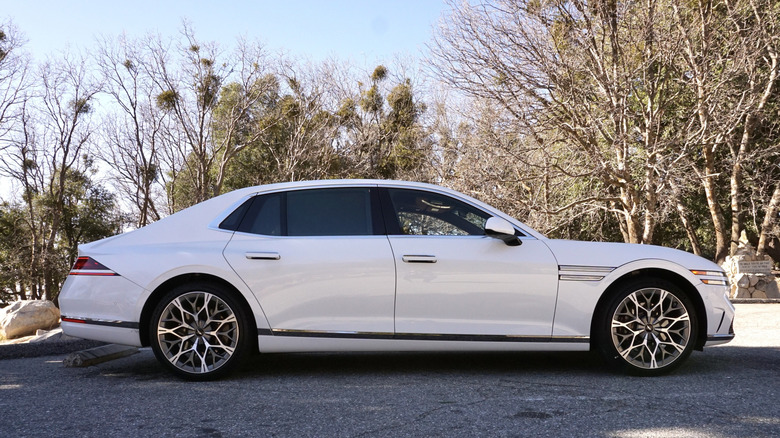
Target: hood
{"points": [[613, 255]]}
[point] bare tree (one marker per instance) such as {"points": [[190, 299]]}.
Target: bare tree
{"points": [[53, 142], [14, 80], [731, 55], [189, 85], [588, 83], [132, 133]]}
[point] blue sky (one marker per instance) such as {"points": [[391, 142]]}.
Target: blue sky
{"points": [[364, 32]]}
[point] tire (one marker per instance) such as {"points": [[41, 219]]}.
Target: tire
{"points": [[200, 332], [648, 328]]}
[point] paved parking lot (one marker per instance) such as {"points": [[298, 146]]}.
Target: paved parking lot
{"points": [[726, 391]]}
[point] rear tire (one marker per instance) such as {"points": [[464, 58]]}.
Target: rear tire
{"points": [[200, 332], [648, 328]]}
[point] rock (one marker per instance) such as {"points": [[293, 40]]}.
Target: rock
{"points": [[742, 280], [742, 293], [23, 318], [753, 280], [772, 290], [758, 294]]}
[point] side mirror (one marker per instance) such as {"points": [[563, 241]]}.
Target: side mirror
{"points": [[501, 229]]}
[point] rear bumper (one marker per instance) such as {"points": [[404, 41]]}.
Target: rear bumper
{"points": [[100, 331]]}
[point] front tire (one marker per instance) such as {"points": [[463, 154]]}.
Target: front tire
{"points": [[648, 328], [199, 331]]}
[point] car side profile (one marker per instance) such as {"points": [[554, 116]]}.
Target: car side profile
{"points": [[372, 265]]}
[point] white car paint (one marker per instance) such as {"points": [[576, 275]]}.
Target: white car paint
{"points": [[363, 293]]}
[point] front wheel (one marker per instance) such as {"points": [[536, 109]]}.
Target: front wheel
{"points": [[648, 328], [199, 331]]}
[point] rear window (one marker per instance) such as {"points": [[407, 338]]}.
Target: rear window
{"points": [[315, 212], [329, 212]]}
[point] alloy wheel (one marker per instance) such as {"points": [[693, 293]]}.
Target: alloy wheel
{"points": [[651, 328], [198, 332]]}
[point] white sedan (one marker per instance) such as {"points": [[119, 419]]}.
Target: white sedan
{"points": [[365, 265]]}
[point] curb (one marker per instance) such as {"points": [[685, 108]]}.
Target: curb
{"points": [[755, 300], [94, 356]]}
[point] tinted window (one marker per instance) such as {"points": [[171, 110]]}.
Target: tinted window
{"points": [[329, 212], [264, 216], [234, 219], [432, 214], [316, 212]]}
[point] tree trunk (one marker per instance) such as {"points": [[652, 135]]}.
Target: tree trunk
{"points": [[769, 220], [716, 212]]}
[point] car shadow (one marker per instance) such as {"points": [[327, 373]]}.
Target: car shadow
{"points": [[713, 362], [291, 364]]}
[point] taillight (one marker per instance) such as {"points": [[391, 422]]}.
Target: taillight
{"points": [[90, 266]]}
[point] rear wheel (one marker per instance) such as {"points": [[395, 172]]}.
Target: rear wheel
{"points": [[648, 328], [199, 331]]}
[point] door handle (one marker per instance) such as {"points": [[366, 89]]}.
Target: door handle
{"points": [[262, 255], [419, 258]]}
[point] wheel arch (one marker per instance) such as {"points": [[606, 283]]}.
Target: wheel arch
{"points": [[672, 277], [162, 289]]}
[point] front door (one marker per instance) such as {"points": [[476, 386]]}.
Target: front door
{"points": [[454, 280]]}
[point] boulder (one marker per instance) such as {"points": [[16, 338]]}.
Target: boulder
{"points": [[23, 318], [742, 293], [758, 294], [772, 290]]}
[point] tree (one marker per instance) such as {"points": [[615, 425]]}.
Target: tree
{"points": [[14, 80], [381, 129], [200, 142], [52, 144], [293, 131], [581, 84], [627, 101], [132, 134]]}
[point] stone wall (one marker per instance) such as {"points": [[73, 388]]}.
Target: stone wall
{"points": [[750, 275]]}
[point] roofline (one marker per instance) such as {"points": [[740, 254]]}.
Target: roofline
{"points": [[266, 188]]}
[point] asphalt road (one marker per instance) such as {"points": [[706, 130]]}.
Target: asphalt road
{"points": [[725, 391]]}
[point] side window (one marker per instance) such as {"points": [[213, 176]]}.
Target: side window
{"points": [[431, 214], [316, 212], [329, 212], [264, 216]]}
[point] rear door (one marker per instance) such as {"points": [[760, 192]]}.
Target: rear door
{"points": [[318, 261]]}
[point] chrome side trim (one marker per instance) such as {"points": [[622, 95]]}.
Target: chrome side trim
{"points": [[569, 277], [105, 322], [580, 268], [582, 273], [422, 336]]}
